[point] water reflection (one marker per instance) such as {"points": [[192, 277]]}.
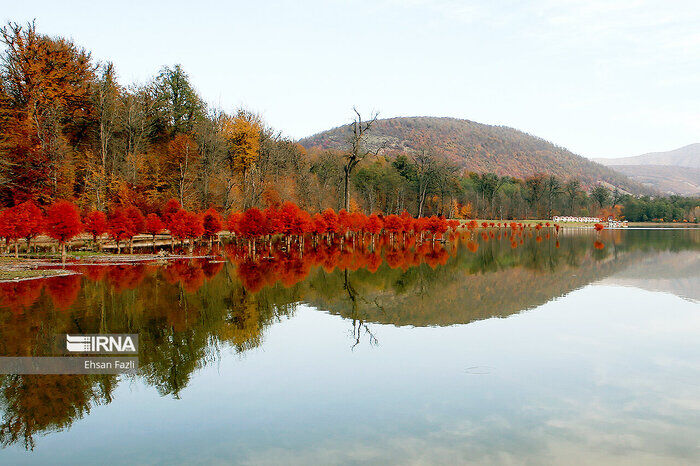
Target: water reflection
{"points": [[187, 311]]}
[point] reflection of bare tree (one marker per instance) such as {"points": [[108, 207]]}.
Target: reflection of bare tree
{"points": [[359, 326]]}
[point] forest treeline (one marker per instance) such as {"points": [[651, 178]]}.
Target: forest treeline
{"points": [[70, 130]]}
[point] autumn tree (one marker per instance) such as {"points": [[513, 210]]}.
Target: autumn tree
{"points": [[8, 229], [63, 223], [120, 227], [212, 224], [242, 136], [138, 224], [46, 106], [96, 224], [251, 225], [29, 221], [154, 225], [186, 226]]}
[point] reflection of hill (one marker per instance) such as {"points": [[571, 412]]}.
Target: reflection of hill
{"points": [[671, 272], [498, 281], [454, 295]]}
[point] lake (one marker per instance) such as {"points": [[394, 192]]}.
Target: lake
{"points": [[489, 349]]}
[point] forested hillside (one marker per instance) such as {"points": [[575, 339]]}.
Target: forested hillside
{"points": [[478, 147]]}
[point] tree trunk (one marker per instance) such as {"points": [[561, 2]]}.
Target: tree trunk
{"points": [[347, 189], [63, 253]]}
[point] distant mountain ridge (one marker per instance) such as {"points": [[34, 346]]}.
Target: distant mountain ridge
{"points": [[673, 172], [478, 147], [687, 156]]}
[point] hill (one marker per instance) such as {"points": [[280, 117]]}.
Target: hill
{"points": [[688, 156], [478, 147], [673, 172], [664, 178]]}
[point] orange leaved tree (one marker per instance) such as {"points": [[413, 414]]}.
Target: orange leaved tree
{"points": [[63, 223]]}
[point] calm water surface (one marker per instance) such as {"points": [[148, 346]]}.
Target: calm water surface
{"points": [[570, 349]]}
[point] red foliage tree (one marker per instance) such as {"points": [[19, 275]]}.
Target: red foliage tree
{"points": [[252, 223], [288, 217], [233, 222], [332, 221], [120, 227], [137, 219], [171, 208], [154, 225], [29, 221], [344, 221], [96, 224], [320, 225], [186, 225], [8, 228], [273, 222], [437, 225], [212, 224], [374, 225], [357, 222], [408, 221], [63, 223], [394, 225]]}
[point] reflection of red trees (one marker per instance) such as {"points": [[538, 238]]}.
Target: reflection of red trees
{"points": [[437, 256], [599, 245], [63, 290], [212, 268], [252, 275], [187, 273], [19, 296], [374, 260], [125, 277], [94, 273], [394, 259]]}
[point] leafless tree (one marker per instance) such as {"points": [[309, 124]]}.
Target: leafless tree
{"points": [[357, 151]]}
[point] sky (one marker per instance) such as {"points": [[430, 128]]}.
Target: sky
{"points": [[604, 78]]}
